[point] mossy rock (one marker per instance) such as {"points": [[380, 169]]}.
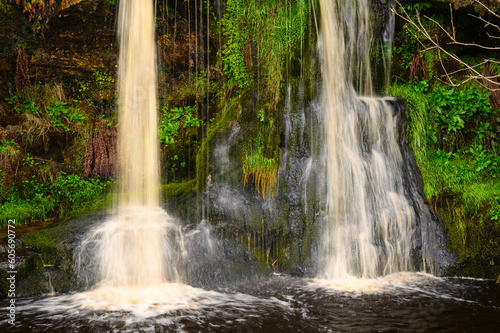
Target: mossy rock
{"points": [[30, 278], [43, 243], [51, 261], [61, 281], [174, 190]]}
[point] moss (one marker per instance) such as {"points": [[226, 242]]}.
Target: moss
{"points": [[231, 110], [473, 235], [30, 277], [419, 118], [4, 283], [44, 243], [61, 281], [99, 203], [178, 189]]}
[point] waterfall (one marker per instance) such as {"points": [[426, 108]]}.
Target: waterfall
{"points": [[139, 246], [371, 225]]}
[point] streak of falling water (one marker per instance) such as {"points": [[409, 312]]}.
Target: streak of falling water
{"points": [[140, 245], [387, 39], [138, 144], [370, 226]]}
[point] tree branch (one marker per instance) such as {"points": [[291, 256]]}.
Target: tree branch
{"points": [[493, 81]]}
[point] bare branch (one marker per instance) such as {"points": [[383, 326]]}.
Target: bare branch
{"points": [[454, 41], [493, 36], [489, 82], [488, 23], [488, 9]]}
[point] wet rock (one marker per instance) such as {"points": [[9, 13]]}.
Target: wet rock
{"points": [[30, 277]]}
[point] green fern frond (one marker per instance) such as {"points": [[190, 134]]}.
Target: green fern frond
{"points": [[495, 68]]}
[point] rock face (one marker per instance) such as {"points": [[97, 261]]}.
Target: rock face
{"points": [[284, 229], [80, 41]]}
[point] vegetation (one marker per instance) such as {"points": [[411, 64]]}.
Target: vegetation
{"points": [[256, 58], [263, 171], [453, 123], [35, 200]]}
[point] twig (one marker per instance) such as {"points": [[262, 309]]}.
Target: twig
{"points": [[488, 9], [435, 45]]}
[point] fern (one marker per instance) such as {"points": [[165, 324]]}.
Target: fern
{"points": [[495, 68]]}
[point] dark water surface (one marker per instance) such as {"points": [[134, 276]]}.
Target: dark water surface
{"points": [[401, 303], [283, 304]]}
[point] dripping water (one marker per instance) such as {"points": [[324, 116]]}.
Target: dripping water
{"points": [[387, 39]]}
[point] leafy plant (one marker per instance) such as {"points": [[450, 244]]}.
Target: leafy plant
{"points": [[175, 119], [10, 147], [495, 211], [36, 199], [27, 106], [454, 108], [73, 188], [57, 112]]}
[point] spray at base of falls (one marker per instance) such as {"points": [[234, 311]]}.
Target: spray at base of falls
{"points": [[371, 224]]}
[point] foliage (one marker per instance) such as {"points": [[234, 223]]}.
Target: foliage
{"points": [[105, 83], [27, 106], [447, 129], [38, 200], [9, 147], [456, 107], [495, 211], [98, 92], [237, 35], [173, 120], [38, 12], [406, 51], [262, 39], [58, 113], [260, 36], [452, 133], [263, 170]]}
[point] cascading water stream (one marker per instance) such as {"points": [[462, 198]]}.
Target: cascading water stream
{"points": [[371, 227], [139, 247]]}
